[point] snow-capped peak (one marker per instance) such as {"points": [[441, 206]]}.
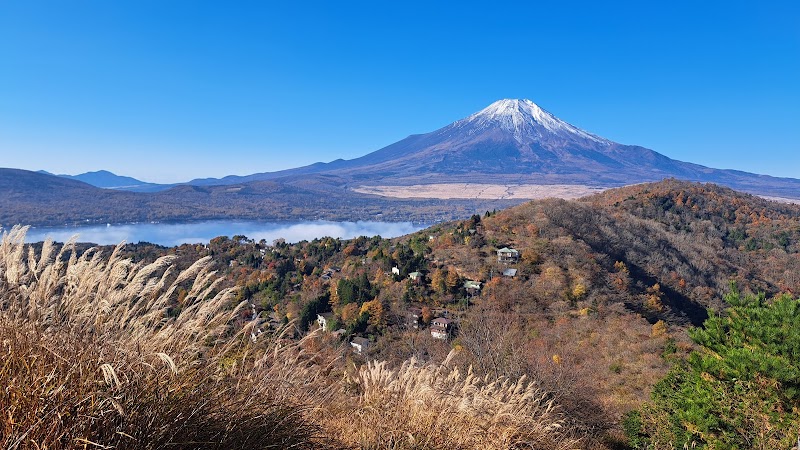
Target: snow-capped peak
{"points": [[526, 120]]}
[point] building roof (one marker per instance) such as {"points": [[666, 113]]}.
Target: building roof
{"points": [[414, 275], [508, 250], [358, 340], [442, 320], [510, 272], [469, 284]]}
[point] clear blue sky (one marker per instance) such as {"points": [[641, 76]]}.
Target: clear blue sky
{"points": [[172, 90]]}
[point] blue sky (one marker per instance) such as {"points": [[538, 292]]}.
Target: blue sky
{"points": [[167, 91]]}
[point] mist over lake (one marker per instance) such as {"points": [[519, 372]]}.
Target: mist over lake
{"points": [[173, 234]]}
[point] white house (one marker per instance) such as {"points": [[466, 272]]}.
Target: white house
{"points": [[441, 328], [359, 344], [416, 277], [324, 319], [414, 317]]}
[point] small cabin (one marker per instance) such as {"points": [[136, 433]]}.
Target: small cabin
{"points": [[414, 318], [359, 344], [416, 277], [511, 273], [472, 287], [506, 255], [441, 328]]}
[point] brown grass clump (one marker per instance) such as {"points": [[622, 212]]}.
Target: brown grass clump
{"points": [[98, 352], [67, 389], [430, 406], [92, 356]]}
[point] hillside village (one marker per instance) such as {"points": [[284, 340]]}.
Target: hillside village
{"points": [[442, 325]]}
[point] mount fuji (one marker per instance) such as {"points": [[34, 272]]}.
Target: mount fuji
{"points": [[515, 141]]}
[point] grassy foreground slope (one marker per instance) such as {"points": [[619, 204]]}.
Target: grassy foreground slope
{"points": [[95, 355]]}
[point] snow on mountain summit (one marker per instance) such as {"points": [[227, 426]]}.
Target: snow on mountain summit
{"points": [[526, 120]]}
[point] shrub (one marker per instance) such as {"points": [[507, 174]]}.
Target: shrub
{"points": [[741, 389]]}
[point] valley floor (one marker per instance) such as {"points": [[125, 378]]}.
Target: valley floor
{"points": [[482, 191]]}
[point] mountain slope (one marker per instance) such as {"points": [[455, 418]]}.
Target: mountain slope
{"points": [[516, 141], [508, 152]]}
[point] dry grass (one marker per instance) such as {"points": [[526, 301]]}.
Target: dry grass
{"points": [[93, 356], [430, 407], [97, 352]]}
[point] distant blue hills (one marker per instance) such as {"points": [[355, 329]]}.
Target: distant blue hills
{"points": [[108, 180]]}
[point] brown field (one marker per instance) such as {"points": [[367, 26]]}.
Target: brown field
{"points": [[781, 199], [482, 191]]}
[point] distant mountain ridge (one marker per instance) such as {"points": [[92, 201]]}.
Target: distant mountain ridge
{"points": [[39, 199], [108, 180]]}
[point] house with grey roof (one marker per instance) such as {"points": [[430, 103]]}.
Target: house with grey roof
{"points": [[360, 344], [506, 255]]}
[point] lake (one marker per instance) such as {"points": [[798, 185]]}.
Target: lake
{"points": [[173, 234]]}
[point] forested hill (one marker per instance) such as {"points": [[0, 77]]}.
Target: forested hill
{"points": [[714, 233], [666, 250], [690, 239], [597, 308]]}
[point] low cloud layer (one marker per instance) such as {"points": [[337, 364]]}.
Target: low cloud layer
{"points": [[202, 232]]}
